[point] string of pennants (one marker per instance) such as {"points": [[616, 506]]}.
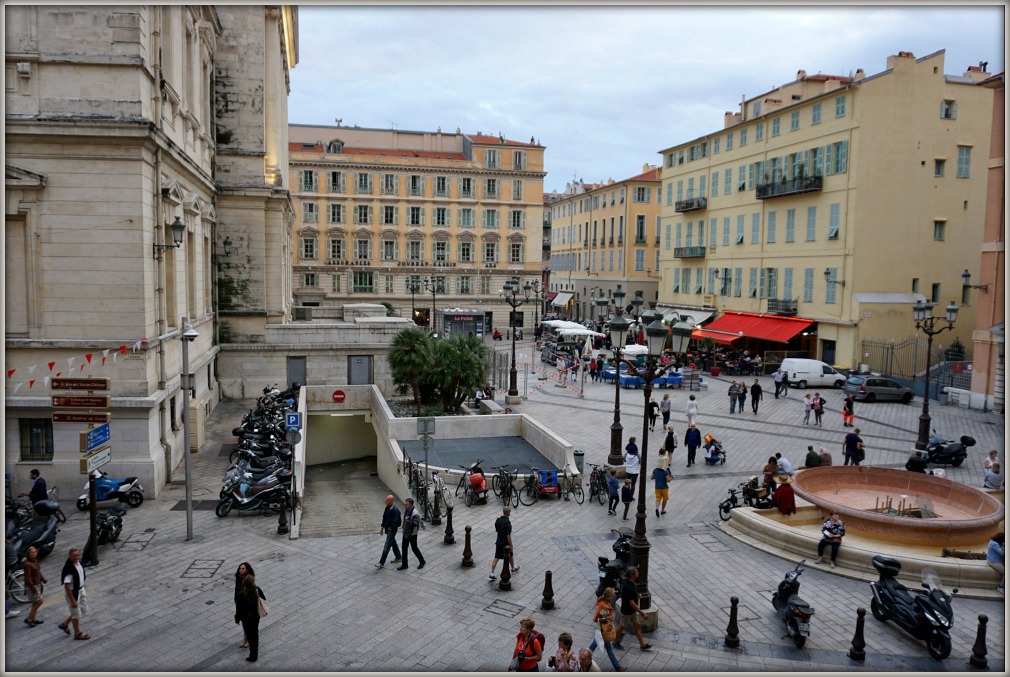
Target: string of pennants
{"points": [[103, 358]]}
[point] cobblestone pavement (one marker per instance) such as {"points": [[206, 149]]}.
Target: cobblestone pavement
{"points": [[160, 603]]}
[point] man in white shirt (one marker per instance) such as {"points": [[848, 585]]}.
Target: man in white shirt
{"points": [[73, 585]]}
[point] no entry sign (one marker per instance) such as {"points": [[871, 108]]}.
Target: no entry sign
{"points": [[338, 396]]}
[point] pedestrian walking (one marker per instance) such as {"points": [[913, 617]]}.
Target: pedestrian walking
{"points": [[755, 396], [818, 408], [561, 369], [613, 492], [503, 537], [630, 611], [33, 581], [831, 534], [741, 397], [733, 393], [244, 569], [529, 650], [664, 408], [73, 577], [592, 370], [777, 377], [995, 557], [848, 411], [411, 525], [852, 447], [662, 477], [808, 404], [692, 410], [692, 440], [653, 413], [627, 496], [606, 620], [38, 491], [564, 659], [785, 383], [670, 444], [248, 614], [632, 461], [388, 527]]}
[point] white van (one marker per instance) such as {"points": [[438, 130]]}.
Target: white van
{"points": [[803, 372]]}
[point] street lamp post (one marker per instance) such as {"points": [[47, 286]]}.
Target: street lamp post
{"points": [[616, 429], [413, 287], [188, 336], [922, 313], [510, 292], [637, 302], [435, 286], [656, 334]]}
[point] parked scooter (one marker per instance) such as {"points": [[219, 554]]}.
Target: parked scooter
{"points": [[110, 524], [611, 571], [924, 614], [108, 488], [268, 497], [947, 452], [39, 531], [792, 608]]}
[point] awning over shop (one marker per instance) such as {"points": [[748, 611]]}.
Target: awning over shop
{"points": [[562, 299], [696, 314], [766, 327], [549, 296]]}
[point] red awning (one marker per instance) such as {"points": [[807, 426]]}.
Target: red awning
{"points": [[549, 296], [732, 325]]}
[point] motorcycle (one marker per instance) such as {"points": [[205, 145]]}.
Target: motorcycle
{"points": [[792, 609], [924, 614], [39, 532], [241, 472], [611, 571], [110, 524], [948, 452], [108, 488], [754, 496], [267, 497]]}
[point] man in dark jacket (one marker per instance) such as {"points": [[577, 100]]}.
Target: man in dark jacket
{"points": [[755, 395], [692, 440], [411, 525], [389, 526], [38, 491], [503, 537]]}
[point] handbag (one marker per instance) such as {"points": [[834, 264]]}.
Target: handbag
{"points": [[263, 608], [607, 629]]}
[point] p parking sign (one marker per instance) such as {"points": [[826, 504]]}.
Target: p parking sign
{"points": [[293, 421]]}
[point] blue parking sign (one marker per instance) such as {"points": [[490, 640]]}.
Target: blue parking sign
{"points": [[293, 421]]}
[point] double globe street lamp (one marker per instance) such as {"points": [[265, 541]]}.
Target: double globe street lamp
{"points": [[922, 313], [511, 293], [656, 336]]}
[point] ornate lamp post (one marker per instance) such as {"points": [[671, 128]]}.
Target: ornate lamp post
{"points": [[538, 295], [435, 286], [637, 302], [618, 323], [656, 334], [413, 286], [510, 292], [925, 321]]}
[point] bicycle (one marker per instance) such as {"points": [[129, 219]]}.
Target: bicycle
{"points": [[598, 483], [569, 486], [499, 479], [509, 494], [464, 480], [16, 586], [440, 489]]}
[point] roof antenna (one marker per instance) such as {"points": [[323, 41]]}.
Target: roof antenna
{"points": [[339, 120]]}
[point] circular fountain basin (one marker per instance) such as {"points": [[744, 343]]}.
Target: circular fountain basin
{"points": [[902, 506]]}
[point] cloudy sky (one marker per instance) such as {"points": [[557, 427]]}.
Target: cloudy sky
{"points": [[603, 88]]}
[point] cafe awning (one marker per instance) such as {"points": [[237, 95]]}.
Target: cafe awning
{"points": [[696, 315], [732, 325], [549, 296], [562, 299]]}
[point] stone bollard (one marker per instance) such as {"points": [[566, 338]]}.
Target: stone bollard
{"points": [[732, 632], [505, 582], [548, 600], [978, 650], [856, 653], [467, 552], [436, 517], [282, 519], [449, 538]]}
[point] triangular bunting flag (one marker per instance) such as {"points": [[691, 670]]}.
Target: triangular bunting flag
{"points": [[82, 368], [31, 369], [70, 361], [58, 374], [105, 353], [31, 383], [122, 350], [46, 381], [10, 372], [88, 357], [17, 388], [51, 365], [103, 361]]}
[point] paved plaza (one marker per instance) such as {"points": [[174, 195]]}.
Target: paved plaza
{"points": [[160, 603]]}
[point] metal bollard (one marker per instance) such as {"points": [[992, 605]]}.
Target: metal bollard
{"points": [[856, 653], [505, 582], [467, 552], [978, 650], [436, 518], [548, 600], [282, 519], [449, 538], [732, 631]]}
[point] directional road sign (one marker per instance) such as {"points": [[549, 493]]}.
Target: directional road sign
{"points": [[80, 384], [94, 438], [74, 417], [81, 401], [95, 459]]}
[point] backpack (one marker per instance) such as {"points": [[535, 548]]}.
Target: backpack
{"points": [[539, 636]]}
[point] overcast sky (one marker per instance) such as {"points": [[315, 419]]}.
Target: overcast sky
{"points": [[602, 88]]}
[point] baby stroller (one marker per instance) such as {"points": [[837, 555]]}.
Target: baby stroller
{"points": [[714, 453], [476, 492]]}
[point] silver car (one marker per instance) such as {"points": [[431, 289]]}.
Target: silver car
{"points": [[873, 388]]}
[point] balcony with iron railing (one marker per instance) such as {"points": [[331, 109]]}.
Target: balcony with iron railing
{"points": [[691, 204], [782, 306], [689, 252], [783, 188]]}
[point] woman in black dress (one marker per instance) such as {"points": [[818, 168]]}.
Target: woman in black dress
{"points": [[244, 569], [247, 612]]}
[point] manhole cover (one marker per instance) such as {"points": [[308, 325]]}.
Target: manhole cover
{"points": [[506, 609]]}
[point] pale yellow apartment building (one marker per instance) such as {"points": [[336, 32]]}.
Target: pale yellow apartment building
{"points": [[829, 205], [380, 210], [602, 235]]}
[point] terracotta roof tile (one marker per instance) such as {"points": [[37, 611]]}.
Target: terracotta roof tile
{"points": [[651, 175], [488, 139]]}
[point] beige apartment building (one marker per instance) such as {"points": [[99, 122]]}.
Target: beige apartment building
{"points": [[836, 202], [602, 235], [132, 150], [383, 211]]}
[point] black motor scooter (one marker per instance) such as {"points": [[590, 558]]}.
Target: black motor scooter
{"points": [[272, 496], [39, 532], [924, 614], [948, 452], [611, 571], [793, 610]]}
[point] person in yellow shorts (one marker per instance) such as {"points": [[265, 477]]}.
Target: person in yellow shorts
{"points": [[662, 477]]}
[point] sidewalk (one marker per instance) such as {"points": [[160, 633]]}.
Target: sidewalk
{"points": [[160, 603]]}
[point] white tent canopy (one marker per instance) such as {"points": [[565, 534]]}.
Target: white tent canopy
{"points": [[634, 350], [567, 328]]}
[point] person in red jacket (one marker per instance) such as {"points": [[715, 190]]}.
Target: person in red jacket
{"points": [[784, 497]]}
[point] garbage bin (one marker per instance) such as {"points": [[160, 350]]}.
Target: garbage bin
{"points": [[580, 457], [715, 371]]}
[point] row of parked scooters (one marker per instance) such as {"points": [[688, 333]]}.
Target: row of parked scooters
{"points": [[259, 478]]}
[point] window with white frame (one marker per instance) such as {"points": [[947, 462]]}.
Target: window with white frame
{"points": [[335, 182], [389, 184], [416, 217], [519, 159], [390, 215], [739, 228], [808, 285], [642, 194], [363, 249], [363, 183], [517, 218], [334, 213], [839, 106], [755, 228], [465, 284], [790, 225], [772, 275], [485, 285], [309, 247], [491, 188], [811, 223], [466, 187], [948, 109], [938, 167], [787, 283], [830, 286], [335, 248], [440, 216], [490, 218], [388, 279], [490, 252], [310, 280], [335, 283], [939, 228], [441, 186], [516, 252], [964, 162], [309, 212], [415, 184], [414, 250], [466, 217], [364, 282], [492, 159], [466, 252], [640, 228], [362, 214], [621, 199], [517, 189], [390, 250], [834, 220], [308, 180]]}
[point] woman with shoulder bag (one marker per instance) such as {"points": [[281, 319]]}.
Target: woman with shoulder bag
{"points": [[248, 611], [529, 651], [606, 633], [244, 569]]}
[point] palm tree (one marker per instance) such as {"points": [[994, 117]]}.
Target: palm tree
{"points": [[410, 358], [460, 367]]}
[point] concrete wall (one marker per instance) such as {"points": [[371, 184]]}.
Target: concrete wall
{"points": [[340, 438]]}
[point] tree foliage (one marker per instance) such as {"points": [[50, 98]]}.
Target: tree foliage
{"points": [[438, 371], [410, 357]]}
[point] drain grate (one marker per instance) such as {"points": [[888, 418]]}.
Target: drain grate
{"points": [[136, 542], [506, 609], [202, 568]]}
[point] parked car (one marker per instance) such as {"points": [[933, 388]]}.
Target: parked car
{"points": [[872, 388], [804, 372]]}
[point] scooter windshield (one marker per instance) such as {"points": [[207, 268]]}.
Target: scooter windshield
{"points": [[932, 579]]}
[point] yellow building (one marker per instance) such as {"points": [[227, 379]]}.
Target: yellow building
{"points": [[602, 235], [838, 200], [381, 210]]}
